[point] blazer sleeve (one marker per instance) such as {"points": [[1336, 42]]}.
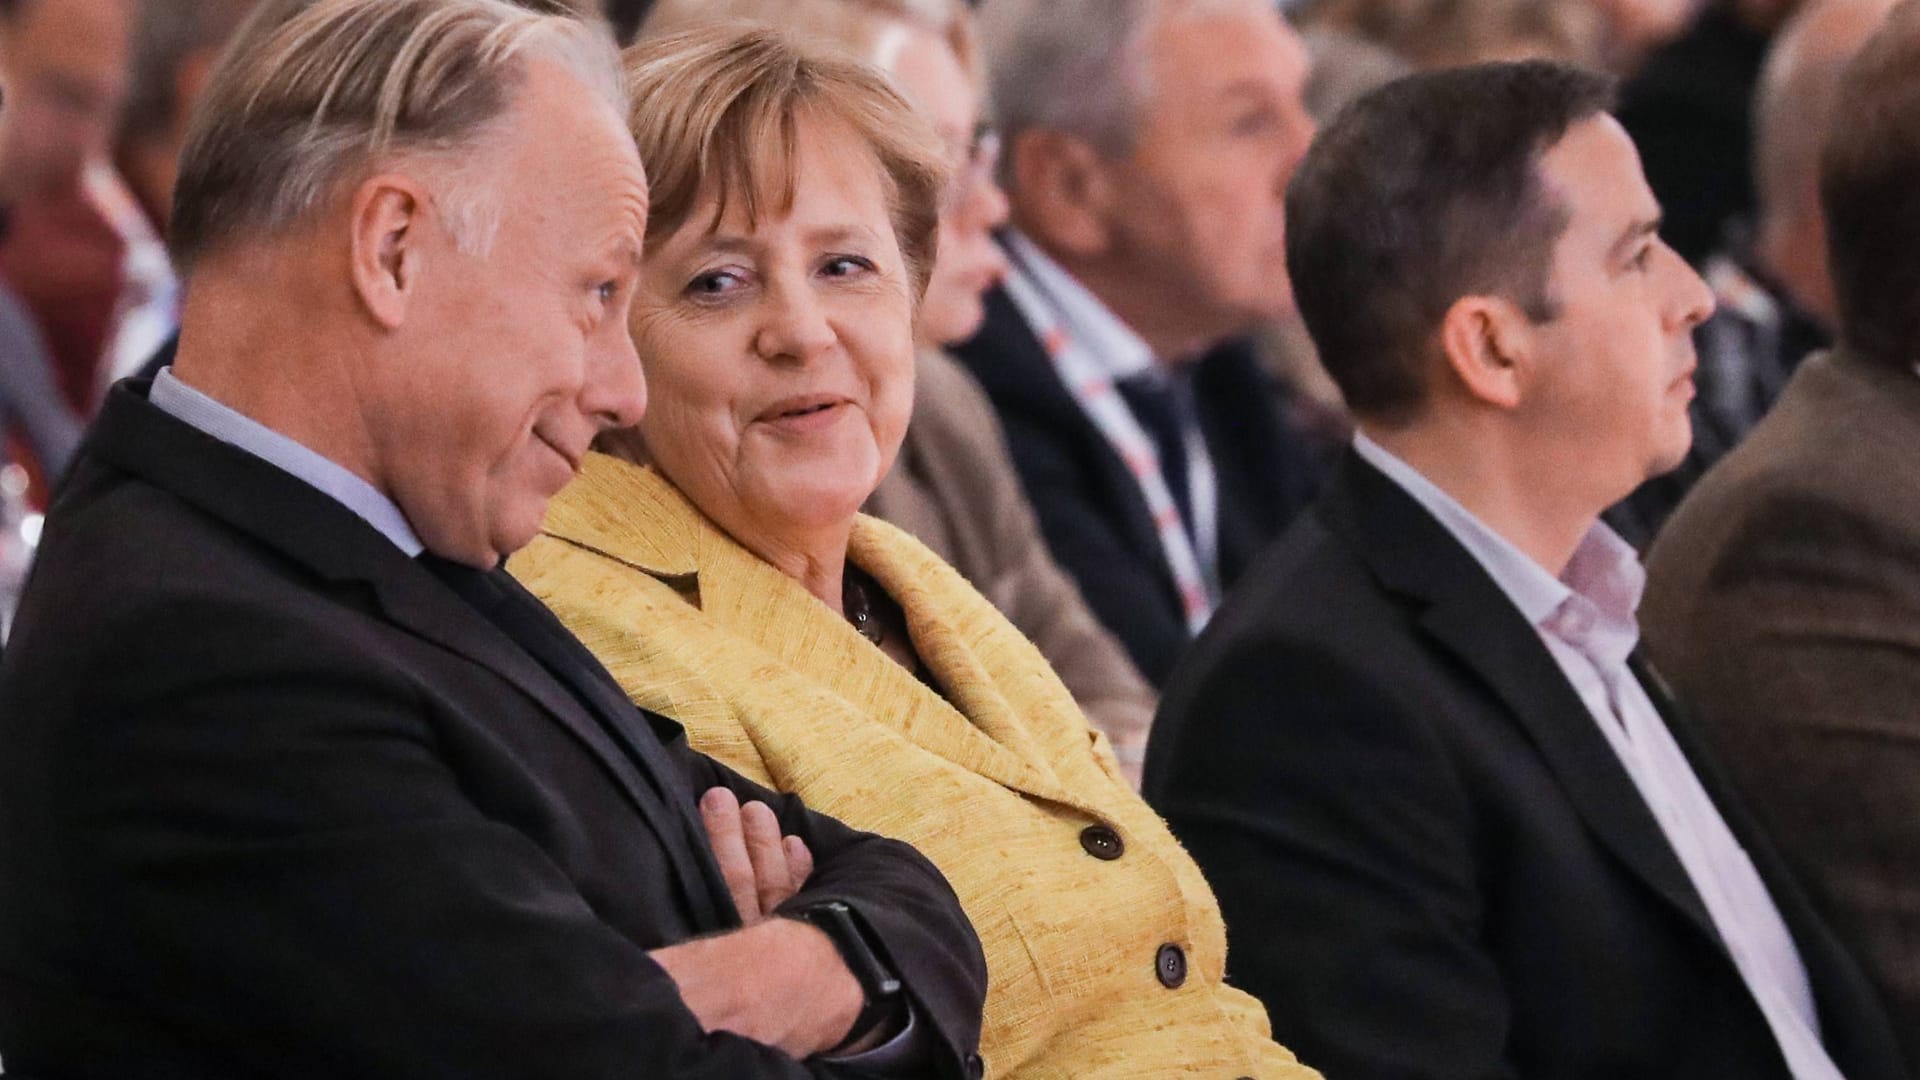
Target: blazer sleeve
{"points": [[277, 829], [1799, 644], [901, 900], [1335, 836]]}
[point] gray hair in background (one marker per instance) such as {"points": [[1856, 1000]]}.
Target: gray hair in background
{"points": [[314, 94], [1073, 66], [166, 33], [1076, 66]]}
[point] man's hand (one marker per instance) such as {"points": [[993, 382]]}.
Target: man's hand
{"points": [[776, 981], [762, 868], [780, 982]]}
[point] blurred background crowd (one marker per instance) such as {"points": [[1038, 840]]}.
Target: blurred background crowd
{"points": [[99, 92], [1117, 407]]}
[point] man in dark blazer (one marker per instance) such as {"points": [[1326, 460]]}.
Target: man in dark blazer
{"points": [[1456, 825], [297, 781], [1148, 151], [1784, 596]]}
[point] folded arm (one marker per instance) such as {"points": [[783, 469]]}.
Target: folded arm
{"points": [[284, 858]]}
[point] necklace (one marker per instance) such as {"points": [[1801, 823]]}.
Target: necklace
{"points": [[859, 610]]}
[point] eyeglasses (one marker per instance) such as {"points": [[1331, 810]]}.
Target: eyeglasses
{"points": [[975, 164]]}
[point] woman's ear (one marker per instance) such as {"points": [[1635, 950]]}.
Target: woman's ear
{"points": [[1065, 192], [386, 219], [1488, 343]]}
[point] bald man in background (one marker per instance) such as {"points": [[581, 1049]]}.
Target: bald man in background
{"points": [[1772, 293]]}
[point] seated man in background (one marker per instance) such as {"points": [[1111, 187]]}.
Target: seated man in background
{"points": [[1148, 147], [65, 69], [1457, 829], [1772, 292], [297, 781], [1784, 595]]}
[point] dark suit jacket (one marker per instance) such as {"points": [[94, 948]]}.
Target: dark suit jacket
{"points": [[275, 801], [1784, 601], [1090, 508], [1430, 860]]}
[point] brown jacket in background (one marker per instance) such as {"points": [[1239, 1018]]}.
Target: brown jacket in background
{"points": [[954, 489], [1784, 605]]}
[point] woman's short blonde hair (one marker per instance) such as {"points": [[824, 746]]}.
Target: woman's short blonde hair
{"points": [[859, 26], [716, 112]]}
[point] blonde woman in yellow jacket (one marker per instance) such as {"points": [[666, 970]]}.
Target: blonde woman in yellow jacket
{"points": [[733, 587]]}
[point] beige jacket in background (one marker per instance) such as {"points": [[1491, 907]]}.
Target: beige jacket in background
{"points": [[954, 489]]}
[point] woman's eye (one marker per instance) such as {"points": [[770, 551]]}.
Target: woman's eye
{"points": [[607, 290], [846, 266], [1642, 257], [714, 283]]}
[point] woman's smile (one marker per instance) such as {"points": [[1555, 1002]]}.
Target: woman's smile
{"points": [[805, 414]]}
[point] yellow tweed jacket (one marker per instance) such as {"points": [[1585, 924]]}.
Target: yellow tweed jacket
{"points": [[998, 783]]}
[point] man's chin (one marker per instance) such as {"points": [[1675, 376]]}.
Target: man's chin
{"points": [[1670, 458]]}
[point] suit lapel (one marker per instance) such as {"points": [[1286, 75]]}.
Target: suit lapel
{"points": [[1848, 1007], [1463, 611], [563, 675], [950, 636], [759, 603], [341, 549], [636, 518]]}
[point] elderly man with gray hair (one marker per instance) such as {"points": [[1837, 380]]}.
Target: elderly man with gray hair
{"points": [[298, 782], [1148, 145]]}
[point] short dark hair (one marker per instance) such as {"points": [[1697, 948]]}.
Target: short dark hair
{"points": [[1870, 193], [1423, 191]]}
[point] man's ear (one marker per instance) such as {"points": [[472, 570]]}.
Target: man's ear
{"points": [[1063, 192], [387, 219], [1488, 343]]}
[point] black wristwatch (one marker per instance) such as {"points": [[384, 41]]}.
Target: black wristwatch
{"points": [[878, 984]]}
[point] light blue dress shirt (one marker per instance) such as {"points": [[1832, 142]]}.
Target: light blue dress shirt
{"points": [[191, 407]]}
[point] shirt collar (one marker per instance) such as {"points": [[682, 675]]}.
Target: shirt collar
{"points": [[191, 407], [1590, 605], [1111, 343]]}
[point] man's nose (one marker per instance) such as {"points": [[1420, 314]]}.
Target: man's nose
{"points": [[616, 391], [1695, 303]]}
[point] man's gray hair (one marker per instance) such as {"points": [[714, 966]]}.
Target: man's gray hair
{"points": [[314, 94], [1074, 66]]}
